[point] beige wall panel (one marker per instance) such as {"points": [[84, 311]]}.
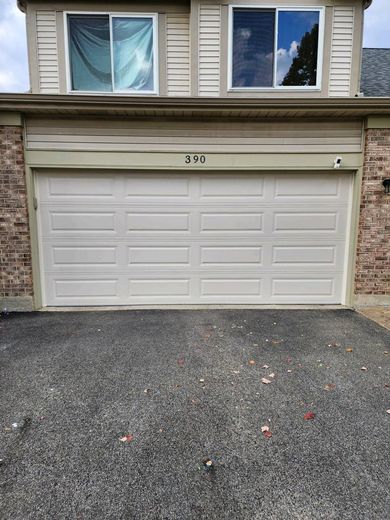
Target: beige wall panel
{"points": [[178, 54], [342, 51], [176, 161], [209, 49], [194, 136], [46, 37], [357, 49]]}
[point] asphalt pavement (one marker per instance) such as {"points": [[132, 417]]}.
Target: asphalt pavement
{"points": [[159, 415]]}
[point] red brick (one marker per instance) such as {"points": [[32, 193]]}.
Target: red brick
{"points": [[15, 251], [373, 250]]}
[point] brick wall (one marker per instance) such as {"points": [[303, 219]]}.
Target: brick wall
{"points": [[15, 253], [373, 252]]}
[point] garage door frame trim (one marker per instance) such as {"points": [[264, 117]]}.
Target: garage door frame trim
{"points": [[37, 261]]}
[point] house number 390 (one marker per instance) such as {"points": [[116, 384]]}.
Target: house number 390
{"points": [[194, 159]]}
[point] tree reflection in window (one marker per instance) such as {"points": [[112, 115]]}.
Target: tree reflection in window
{"points": [[297, 53]]}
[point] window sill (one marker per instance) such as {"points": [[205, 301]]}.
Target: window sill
{"points": [[268, 90], [122, 93]]}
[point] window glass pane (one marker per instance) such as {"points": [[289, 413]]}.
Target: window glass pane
{"points": [[253, 47], [89, 51], [133, 53], [297, 48]]}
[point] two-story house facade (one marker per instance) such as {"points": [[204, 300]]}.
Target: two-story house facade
{"points": [[195, 152]]}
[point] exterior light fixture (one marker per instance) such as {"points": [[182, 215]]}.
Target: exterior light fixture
{"points": [[386, 185]]}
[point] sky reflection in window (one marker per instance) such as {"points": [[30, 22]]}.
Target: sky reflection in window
{"points": [[253, 48]]}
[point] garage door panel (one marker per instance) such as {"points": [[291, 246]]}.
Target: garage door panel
{"points": [[159, 287], [221, 187], [305, 221], [85, 288], [294, 255], [230, 286], [84, 255], [166, 256], [231, 222], [226, 255], [121, 238], [83, 187], [86, 187], [302, 286], [157, 187], [70, 222], [161, 222], [290, 187]]}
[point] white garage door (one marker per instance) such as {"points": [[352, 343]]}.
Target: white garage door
{"points": [[135, 238]]}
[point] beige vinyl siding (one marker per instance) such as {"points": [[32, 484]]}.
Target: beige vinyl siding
{"points": [[209, 50], [178, 54], [195, 136], [47, 52], [341, 54]]}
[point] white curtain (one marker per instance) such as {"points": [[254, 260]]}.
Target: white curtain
{"points": [[89, 51], [133, 53]]}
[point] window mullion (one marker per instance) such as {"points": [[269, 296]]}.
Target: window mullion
{"points": [[112, 55], [276, 34], [156, 60]]}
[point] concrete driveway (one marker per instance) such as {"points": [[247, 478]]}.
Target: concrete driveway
{"points": [[111, 415]]}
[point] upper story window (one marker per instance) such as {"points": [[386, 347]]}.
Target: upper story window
{"points": [[275, 48], [112, 53]]}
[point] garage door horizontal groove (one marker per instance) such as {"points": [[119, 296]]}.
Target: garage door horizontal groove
{"points": [[249, 240], [153, 208], [220, 274], [180, 240]]}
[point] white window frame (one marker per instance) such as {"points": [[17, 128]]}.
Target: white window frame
{"points": [[277, 9], [111, 15]]}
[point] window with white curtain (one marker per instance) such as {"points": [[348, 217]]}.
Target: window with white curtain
{"points": [[112, 53]]}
